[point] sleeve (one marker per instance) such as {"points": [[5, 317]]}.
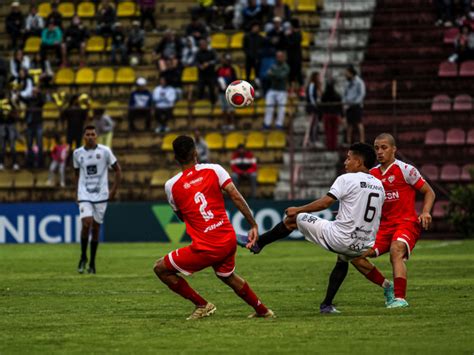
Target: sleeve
{"points": [[169, 195], [222, 175], [338, 188], [75, 160], [111, 159], [412, 176]]}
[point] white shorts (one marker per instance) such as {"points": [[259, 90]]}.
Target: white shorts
{"points": [[95, 210]]}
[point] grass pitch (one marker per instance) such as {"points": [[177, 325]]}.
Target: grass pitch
{"points": [[46, 307]]}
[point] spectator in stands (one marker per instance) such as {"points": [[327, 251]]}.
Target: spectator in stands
{"points": [[104, 126], [34, 128], [74, 117], [205, 9], [313, 96], [59, 155], [294, 55], [267, 10], [206, 61], [276, 34], [267, 59], [201, 147], [34, 23], [51, 39], [188, 56], [172, 74], [9, 116], [252, 46], [23, 86], [463, 45], [140, 105], [164, 99], [353, 100], [251, 13], [106, 18], [282, 11], [19, 60], [225, 12], [3, 75], [225, 75], [244, 167], [14, 25], [118, 45], [55, 16], [136, 39], [277, 94], [331, 110], [445, 11], [41, 71], [170, 48], [196, 29], [75, 37], [147, 12]]}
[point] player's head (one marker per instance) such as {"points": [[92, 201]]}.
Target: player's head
{"points": [[351, 72], [385, 148], [90, 136], [184, 150], [360, 157]]}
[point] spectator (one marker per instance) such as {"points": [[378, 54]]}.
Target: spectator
{"points": [[74, 117], [293, 39], [3, 75], [188, 56], [282, 11], [9, 115], [225, 75], [34, 128], [196, 29], [14, 25], [75, 37], [34, 23], [267, 59], [331, 110], [164, 99], [170, 48], [267, 10], [463, 45], [202, 148], [172, 74], [136, 39], [140, 105], [118, 44], [445, 11], [205, 9], [225, 12], [24, 86], [19, 60], [251, 13], [252, 45], [51, 39], [59, 155], [55, 16], [353, 100], [277, 94], [206, 60], [244, 167], [147, 12], [104, 126], [276, 35], [41, 71], [106, 17], [313, 96]]}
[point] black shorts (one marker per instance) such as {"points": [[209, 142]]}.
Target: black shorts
{"points": [[354, 115]]}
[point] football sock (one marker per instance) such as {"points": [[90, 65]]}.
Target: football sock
{"points": [[278, 232], [84, 242], [336, 278], [183, 289], [94, 245], [400, 287], [251, 298], [376, 277]]}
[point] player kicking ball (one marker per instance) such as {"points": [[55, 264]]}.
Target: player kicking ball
{"points": [[196, 197], [352, 234]]}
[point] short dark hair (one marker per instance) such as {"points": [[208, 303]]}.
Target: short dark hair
{"points": [[351, 69], [184, 147], [88, 127], [366, 152]]}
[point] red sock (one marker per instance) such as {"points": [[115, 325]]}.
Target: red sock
{"points": [[400, 287], [375, 276], [251, 298], [183, 289]]}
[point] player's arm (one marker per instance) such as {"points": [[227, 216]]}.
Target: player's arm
{"points": [[429, 197], [117, 180], [315, 206], [76, 182]]}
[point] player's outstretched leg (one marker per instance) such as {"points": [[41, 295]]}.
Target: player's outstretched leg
{"points": [[280, 231], [86, 227], [336, 278], [243, 290], [182, 288], [94, 246], [398, 252]]}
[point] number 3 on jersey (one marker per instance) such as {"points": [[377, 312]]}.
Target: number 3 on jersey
{"points": [[200, 199]]}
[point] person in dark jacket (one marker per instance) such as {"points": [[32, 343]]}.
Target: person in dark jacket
{"points": [[293, 39], [34, 128], [55, 16], [75, 37], [206, 63], [225, 75], [251, 13], [170, 47], [253, 42], [74, 116], [331, 110], [196, 29], [15, 25], [313, 96], [9, 115], [106, 18], [147, 13], [118, 45]]}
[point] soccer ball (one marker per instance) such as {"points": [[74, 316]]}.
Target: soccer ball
{"points": [[239, 93]]}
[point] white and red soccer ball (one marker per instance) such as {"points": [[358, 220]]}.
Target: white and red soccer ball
{"points": [[239, 93]]}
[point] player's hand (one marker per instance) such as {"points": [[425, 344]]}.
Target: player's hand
{"points": [[252, 236], [425, 220], [112, 194], [292, 211]]}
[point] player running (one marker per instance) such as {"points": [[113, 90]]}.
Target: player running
{"points": [[360, 197], [196, 196], [91, 163]]}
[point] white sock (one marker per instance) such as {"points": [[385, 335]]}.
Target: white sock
{"points": [[386, 283]]}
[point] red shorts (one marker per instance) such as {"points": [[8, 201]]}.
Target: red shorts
{"points": [[407, 233], [188, 260]]}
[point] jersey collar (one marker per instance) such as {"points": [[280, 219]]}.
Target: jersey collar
{"points": [[85, 148], [388, 168]]}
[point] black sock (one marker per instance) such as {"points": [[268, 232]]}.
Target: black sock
{"points": [[84, 242], [278, 232], [338, 275], [94, 245]]}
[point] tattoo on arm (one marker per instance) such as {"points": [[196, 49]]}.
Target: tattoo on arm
{"points": [[240, 203]]}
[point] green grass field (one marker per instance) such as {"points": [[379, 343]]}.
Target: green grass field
{"points": [[46, 307]]}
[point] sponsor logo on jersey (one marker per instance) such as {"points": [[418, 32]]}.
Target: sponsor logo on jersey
{"points": [[186, 186], [196, 181], [98, 156], [391, 179], [413, 172], [363, 184], [392, 195], [214, 226]]}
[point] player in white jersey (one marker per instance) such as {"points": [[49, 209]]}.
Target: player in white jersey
{"points": [[91, 164]]}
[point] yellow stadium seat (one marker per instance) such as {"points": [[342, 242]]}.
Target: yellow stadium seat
{"points": [[189, 75], [64, 76], [24, 179], [252, 73], [181, 108], [160, 177], [276, 140], [219, 41], [50, 111], [260, 106], [306, 5], [116, 108], [202, 108], [32, 45], [86, 9], [126, 9], [85, 76], [255, 140], [66, 9], [167, 144], [233, 140], [238, 72], [290, 3], [214, 140], [267, 175], [105, 76], [125, 75], [95, 44], [41, 179], [20, 146], [44, 9], [237, 40], [6, 179], [246, 111], [306, 40]]}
